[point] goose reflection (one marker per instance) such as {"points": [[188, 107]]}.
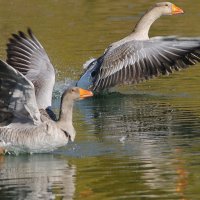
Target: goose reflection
{"points": [[147, 130], [126, 114], [36, 177], [132, 114]]}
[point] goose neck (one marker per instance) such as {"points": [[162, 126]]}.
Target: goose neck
{"points": [[142, 27], [66, 110]]}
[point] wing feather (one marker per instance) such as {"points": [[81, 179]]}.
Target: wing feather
{"points": [[26, 54], [135, 61], [17, 96]]}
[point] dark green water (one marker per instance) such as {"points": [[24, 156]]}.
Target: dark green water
{"points": [[140, 142]]}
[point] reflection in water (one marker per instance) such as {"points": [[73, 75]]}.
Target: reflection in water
{"points": [[144, 135], [36, 177], [182, 173], [135, 115]]}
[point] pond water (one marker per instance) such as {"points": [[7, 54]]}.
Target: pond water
{"points": [[138, 142]]}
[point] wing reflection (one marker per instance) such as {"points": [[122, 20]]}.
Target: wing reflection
{"points": [[36, 177], [128, 115]]}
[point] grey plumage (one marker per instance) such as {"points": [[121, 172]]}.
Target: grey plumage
{"points": [[137, 57], [24, 127], [135, 61], [26, 54]]}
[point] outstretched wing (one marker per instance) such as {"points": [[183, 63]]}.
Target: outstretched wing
{"points": [[135, 61], [17, 96], [26, 54]]}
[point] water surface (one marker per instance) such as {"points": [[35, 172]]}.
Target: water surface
{"points": [[139, 142]]}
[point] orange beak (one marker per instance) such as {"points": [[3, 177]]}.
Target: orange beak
{"points": [[85, 93], [176, 10]]}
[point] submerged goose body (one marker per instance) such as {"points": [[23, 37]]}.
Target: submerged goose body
{"points": [[137, 57], [45, 137], [24, 127]]}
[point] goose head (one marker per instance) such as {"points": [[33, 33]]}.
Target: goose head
{"points": [[75, 93], [87, 79], [167, 8]]}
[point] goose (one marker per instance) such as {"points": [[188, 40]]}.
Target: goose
{"points": [[26, 127], [137, 57], [130, 60]]}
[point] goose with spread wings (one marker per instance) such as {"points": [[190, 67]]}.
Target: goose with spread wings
{"points": [[131, 60], [24, 125], [137, 57]]}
